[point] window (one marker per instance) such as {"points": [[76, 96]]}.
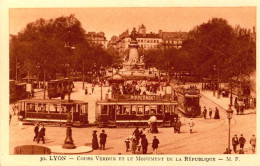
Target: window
{"points": [[134, 109], [141, 40], [172, 109], [126, 110], [140, 109], [159, 109], [146, 109], [54, 108], [30, 107], [41, 107], [153, 109], [119, 110], [166, 109], [103, 109], [63, 109]]}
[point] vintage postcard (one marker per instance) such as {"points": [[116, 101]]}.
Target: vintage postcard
{"points": [[129, 83]]}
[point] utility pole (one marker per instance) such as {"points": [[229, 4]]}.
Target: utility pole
{"points": [[83, 75], [16, 69]]}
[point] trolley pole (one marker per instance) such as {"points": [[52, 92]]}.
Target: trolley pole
{"points": [[16, 69], [44, 81], [83, 75]]}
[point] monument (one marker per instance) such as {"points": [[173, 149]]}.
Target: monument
{"points": [[133, 62]]}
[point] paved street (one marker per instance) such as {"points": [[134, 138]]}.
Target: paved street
{"points": [[210, 135]]}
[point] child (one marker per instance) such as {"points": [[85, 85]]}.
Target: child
{"points": [[127, 143]]}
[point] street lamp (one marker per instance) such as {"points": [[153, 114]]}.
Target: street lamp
{"points": [[68, 142], [229, 116], [214, 88], [38, 72]]}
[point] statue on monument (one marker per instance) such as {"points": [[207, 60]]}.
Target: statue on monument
{"points": [[133, 34]]}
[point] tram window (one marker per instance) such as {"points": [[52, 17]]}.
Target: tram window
{"points": [[140, 110], [166, 109], [86, 108], [63, 109], [41, 107], [30, 107], [146, 109], [119, 110], [111, 108], [159, 109], [103, 109], [134, 109], [153, 109], [126, 110], [171, 109], [196, 101], [53, 108]]}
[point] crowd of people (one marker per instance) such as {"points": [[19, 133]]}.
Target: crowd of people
{"points": [[209, 113], [241, 142]]}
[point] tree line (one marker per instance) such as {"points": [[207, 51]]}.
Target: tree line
{"points": [[54, 45], [212, 47]]}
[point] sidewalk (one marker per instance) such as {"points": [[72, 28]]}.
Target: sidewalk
{"points": [[223, 101]]}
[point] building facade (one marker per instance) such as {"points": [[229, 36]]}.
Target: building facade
{"points": [[172, 39], [150, 40], [97, 38]]}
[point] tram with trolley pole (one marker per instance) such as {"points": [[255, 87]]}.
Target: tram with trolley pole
{"points": [[135, 110], [189, 101], [60, 87], [17, 91], [53, 111]]}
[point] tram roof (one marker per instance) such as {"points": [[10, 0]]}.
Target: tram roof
{"points": [[51, 101], [137, 102]]}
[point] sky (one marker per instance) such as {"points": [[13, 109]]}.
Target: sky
{"points": [[113, 21]]}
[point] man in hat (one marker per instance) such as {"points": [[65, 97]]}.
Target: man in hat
{"points": [[242, 141], [36, 131], [205, 112], [235, 143], [155, 144], [191, 124], [103, 139], [41, 134], [144, 143], [253, 142]]}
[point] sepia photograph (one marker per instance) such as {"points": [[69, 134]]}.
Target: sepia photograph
{"points": [[132, 81]]}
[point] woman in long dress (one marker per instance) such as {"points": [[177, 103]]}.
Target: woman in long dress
{"points": [[95, 141]]}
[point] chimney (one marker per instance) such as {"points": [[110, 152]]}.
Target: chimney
{"points": [[253, 29], [160, 33]]}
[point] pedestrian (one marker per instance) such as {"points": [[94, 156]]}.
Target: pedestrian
{"points": [[136, 133], [242, 141], [139, 145], [14, 109], [86, 91], [235, 143], [10, 118], [144, 143], [210, 113], [216, 113], [127, 144], [93, 88], [178, 126], [155, 145], [253, 142], [103, 139], [205, 112], [95, 140], [134, 145], [20, 123], [41, 134], [36, 132], [191, 124]]}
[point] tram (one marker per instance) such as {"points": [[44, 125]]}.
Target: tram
{"points": [[189, 101], [17, 91], [58, 88], [135, 110], [53, 111]]}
